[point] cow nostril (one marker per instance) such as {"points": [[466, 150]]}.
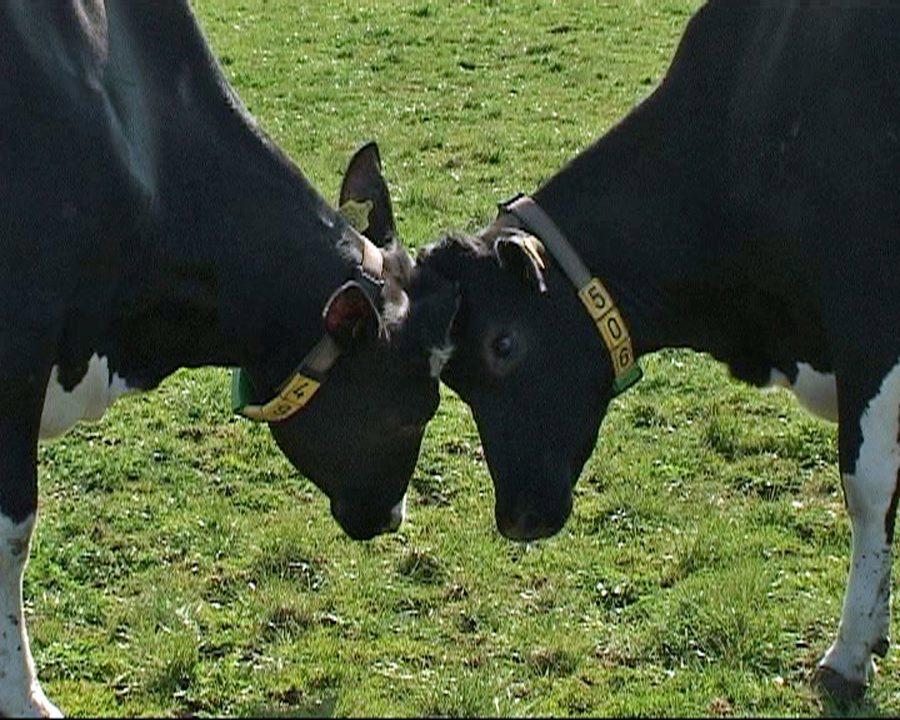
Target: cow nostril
{"points": [[514, 528]]}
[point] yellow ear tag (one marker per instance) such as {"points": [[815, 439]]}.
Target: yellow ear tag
{"points": [[357, 213]]}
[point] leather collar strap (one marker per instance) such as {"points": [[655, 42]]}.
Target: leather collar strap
{"points": [[592, 293], [296, 392]]}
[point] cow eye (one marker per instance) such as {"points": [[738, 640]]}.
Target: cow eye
{"points": [[503, 346]]}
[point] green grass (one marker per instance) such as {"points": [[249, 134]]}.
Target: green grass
{"points": [[180, 566]]}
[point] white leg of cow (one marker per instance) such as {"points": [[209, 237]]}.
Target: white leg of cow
{"points": [[20, 692], [870, 492]]}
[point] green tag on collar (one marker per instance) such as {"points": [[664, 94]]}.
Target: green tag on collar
{"points": [[240, 390], [627, 379]]}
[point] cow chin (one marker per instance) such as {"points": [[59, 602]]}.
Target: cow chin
{"points": [[366, 525], [534, 518]]}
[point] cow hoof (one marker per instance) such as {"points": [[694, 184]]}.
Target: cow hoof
{"points": [[36, 708], [882, 646], [840, 689]]}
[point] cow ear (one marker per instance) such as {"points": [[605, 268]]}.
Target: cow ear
{"points": [[364, 198], [350, 316], [523, 254]]}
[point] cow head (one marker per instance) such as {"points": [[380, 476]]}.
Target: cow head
{"points": [[358, 438], [527, 361]]}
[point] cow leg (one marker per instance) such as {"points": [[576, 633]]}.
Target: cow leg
{"points": [[20, 692], [870, 460]]}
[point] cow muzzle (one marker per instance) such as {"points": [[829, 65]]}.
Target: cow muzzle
{"points": [[532, 520], [362, 524]]}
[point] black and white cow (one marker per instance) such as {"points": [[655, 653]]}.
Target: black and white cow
{"points": [[749, 208], [147, 224]]}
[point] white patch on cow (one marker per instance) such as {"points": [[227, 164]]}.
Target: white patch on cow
{"points": [[865, 618], [86, 401], [815, 391], [20, 692], [396, 306], [438, 357]]}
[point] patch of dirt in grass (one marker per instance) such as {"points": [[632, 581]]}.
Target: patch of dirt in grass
{"points": [[616, 596], [614, 654], [422, 567], [766, 484], [432, 489], [720, 707]]}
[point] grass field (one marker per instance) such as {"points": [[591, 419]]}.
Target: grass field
{"points": [[181, 566]]}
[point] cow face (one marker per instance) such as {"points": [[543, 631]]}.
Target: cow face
{"points": [[358, 439], [528, 362]]}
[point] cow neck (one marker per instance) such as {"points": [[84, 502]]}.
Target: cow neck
{"points": [[625, 216], [286, 252], [223, 253], [234, 275], [295, 393], [276, 315], [235, 254]]}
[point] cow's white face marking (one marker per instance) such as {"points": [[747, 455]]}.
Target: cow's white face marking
{"points": [[438, 357], [88, 400], [816, 391], [20, 692], [865, 618]]}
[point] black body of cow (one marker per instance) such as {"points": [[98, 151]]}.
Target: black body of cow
{"points": [[148, 221], [749, 208]]}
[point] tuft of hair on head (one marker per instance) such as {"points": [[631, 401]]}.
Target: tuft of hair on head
{"points": [[398, 263], [398, 269], [445, 255], [454, 244]]}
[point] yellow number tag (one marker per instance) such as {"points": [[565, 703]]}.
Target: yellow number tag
{"points": [[293, 397], [610, 325]]}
